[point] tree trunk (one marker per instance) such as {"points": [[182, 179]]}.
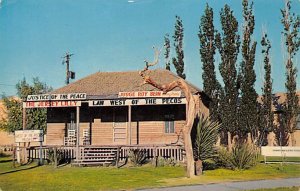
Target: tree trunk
{"points": [[250, 139], [271, 138], [199, 167], [190, 166], [190, 114], [229, 141]]}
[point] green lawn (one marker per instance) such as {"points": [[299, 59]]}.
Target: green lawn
{"points": [[32, 177], [47, 177]]}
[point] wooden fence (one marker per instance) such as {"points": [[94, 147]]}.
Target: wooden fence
{"points": [[69, 152]]}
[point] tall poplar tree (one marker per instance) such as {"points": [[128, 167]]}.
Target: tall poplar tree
{"points": [[291, 26], [267, 113], [167, 51], [178, 44], [228, 45], [207, 52], [248, 101]]}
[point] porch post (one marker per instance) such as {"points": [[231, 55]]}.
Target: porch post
{"points": [[24, 157], [129, 123], [78, 133], [24, 118]]}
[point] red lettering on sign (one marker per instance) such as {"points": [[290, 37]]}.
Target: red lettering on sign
{"points": [[155, 94]]}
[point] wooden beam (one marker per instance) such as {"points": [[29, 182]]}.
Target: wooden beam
{"points": [[24, 157], [24, 119], [129, 123], [78, 132]]}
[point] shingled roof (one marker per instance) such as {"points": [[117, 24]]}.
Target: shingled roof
{"points": [[107, 85]]}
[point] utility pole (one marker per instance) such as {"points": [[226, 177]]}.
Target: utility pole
{"points": [[69, 74]]}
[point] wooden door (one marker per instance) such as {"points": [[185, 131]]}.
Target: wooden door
{"points": [[120, 126]]}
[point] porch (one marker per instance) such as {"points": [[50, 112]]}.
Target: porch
{"points": [[103, 155], [120, 125]]}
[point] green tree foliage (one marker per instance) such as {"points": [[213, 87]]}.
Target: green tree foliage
{"points": [[178, 44], [207, 52], [266, 110], [13, 120], [206, 138], [248, 101], [291, 26], [167, 51], [228, 45], [35, 118]]}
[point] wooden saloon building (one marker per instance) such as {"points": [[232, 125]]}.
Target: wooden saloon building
{"points": [[115, 109]]}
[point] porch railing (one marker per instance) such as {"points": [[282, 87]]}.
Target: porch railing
{"points": [[152, 152], [69, 152]]}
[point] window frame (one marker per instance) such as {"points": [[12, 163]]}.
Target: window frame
{"points": [[169, 124]]}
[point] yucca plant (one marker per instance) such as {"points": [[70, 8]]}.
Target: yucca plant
{"points": [[242, 156], [206, 138]]}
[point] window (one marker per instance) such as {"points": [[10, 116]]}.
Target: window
{"points": [[169, 124], [298, 122]]}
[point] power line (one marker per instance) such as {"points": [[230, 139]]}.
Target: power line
{"points": [[1, 84]]}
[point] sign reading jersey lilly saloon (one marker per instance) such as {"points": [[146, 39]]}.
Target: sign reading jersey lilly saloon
{"points": [[45, 104]]}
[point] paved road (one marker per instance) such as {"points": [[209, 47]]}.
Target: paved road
{"points": [[233, 186]]}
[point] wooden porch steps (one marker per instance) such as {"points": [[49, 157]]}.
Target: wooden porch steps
{"points": [[90, 156]]}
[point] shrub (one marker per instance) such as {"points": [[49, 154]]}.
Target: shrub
{"points": [[206, 138], [2, 154], [242, 156], [161, 161], [59, 156], [138, 157]]}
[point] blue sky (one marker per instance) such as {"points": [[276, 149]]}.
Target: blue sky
{"points": [[116, 35]]}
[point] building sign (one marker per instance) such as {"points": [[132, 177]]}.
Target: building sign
{"points": [[45, 104], [280, 151], [48, 97], [146, 101], [139, 94], [29, 136]]}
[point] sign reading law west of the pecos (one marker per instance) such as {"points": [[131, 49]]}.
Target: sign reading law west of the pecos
{"points": [[124, 98]]}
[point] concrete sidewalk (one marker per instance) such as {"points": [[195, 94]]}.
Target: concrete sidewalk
{"points": [[233, 186]]}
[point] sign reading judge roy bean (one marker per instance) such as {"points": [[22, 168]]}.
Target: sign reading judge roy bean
{"points": [[139, 94]]}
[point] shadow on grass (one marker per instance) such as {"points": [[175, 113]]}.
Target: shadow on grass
{"points": [[3, 161], [18, 170]]}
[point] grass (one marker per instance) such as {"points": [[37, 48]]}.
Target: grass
{"points": [[87, 178], [32, 177], [259, 172]]}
